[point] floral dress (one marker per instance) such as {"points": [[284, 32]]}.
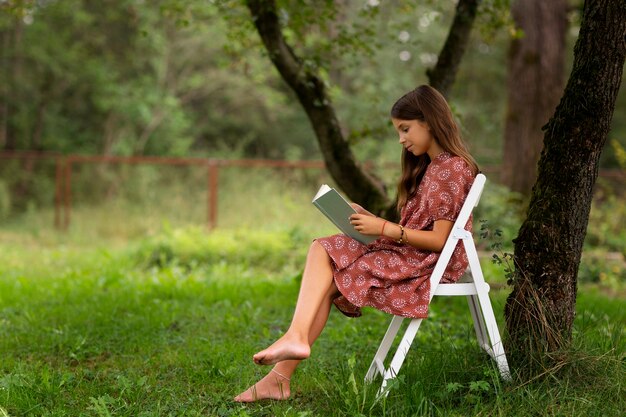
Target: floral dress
{"points": [[394, 277]]}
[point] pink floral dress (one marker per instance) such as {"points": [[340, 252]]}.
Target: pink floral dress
{"points": [[394, 277]]}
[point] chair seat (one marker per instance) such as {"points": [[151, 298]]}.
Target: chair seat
{"points": [[459, 288]]}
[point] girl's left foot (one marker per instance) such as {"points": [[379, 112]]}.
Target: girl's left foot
{"points": [[273, 386]]}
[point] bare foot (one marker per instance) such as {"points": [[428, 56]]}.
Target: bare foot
{"points": [[285, 348], [271, 387]]}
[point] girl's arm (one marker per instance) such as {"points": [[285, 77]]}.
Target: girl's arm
{"points": [[432, 240]]}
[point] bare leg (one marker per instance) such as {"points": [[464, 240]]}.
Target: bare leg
{"points": [[317, 283], [276, 384]]}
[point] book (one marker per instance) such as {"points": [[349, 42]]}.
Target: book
{"points": [[338, 210]]}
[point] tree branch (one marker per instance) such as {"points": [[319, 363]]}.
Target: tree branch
{"points": [[358, 184], [442, 76]]}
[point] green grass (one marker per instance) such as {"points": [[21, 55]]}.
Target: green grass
{"points": [[166, 325]]}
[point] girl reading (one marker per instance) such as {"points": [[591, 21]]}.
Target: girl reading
{"points": [[392, 273]]}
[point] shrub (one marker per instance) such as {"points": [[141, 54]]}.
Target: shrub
{"points": [[193, 246]]}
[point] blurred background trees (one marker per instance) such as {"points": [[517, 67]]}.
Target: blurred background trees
{"points": [[535, 82], [169, 77], [132, 77]]}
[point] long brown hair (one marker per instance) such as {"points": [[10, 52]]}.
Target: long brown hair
{"points": [[427, 105]]}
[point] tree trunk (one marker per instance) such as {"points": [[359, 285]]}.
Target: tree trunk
{"points": [[442, 76], [540, 310], [535, 81]]}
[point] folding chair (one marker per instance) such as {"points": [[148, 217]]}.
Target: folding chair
{"points": [[475, 288]]}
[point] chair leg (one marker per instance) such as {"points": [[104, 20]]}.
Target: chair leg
{"points": [[479, 323], [486, 311], [400, 355], [378, 366], [494, 335]]}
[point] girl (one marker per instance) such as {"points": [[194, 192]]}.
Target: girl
{"points": [[392, 273]]}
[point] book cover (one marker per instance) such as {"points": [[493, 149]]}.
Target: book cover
{"points": [[338, 210]]}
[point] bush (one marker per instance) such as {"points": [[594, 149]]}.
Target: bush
{"points": [[193, 246]]}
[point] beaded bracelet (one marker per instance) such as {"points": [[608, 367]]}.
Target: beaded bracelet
{"points": [[401, 234]]}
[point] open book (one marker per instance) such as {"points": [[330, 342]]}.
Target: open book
{"points": [[338, 210]]}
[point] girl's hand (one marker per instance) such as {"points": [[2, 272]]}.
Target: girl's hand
{"points": [[367, 224], [360, 210]]}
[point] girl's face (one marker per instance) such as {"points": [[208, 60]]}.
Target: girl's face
{"points": [[415, 136]]}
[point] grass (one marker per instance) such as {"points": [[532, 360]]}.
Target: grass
{"points": [[166, 325], [127, 314]]}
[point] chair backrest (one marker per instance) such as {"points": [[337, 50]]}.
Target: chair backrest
{"points": [[471, 201]]}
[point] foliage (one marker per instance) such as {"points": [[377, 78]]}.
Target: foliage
{"points": [[179, 78], [499, 210], [131, 78], [494, 16], [498, 217], [252, 249], [598, 267], [620, 153]]}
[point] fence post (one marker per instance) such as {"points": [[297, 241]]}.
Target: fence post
{"points": [[68, 192], [212, 193], [58, 190]]}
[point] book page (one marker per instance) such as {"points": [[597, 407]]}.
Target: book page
{"points": [[323, 190]]}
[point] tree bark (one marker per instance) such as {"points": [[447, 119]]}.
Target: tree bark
{"points": [[536, 78], [540, 310], [442, 76]]}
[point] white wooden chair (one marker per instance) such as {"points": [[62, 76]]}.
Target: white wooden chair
{"points": [[474, 288]]}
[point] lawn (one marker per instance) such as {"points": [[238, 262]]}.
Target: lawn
{"points": [[167, 324]]}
